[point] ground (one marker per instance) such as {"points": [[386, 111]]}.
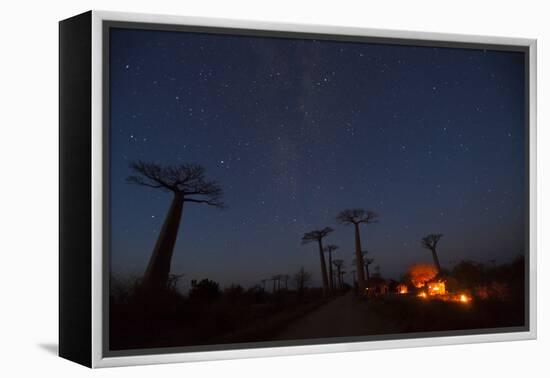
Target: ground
{"points": [[344, 316]]}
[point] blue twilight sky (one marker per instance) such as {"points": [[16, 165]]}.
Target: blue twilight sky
{"points": [[296, 130]]}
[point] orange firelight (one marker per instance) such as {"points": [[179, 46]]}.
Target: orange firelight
{"points": [[402, 289], [422, 273], [464, 298], [422, 294], [436, 288]]}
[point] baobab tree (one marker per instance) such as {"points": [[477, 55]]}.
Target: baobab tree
{"points": [[187, 184], [318, 236], [356, 217], [339, 264], [368, 262], [430, 242], [276, 282], [329, 249], [285, 278], [342, 274], [301, 279]]}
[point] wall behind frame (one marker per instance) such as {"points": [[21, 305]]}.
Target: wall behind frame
{"points": [[29, 148]]}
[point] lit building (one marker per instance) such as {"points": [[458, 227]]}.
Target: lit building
{"points": [[402, 289], [436, 288]]}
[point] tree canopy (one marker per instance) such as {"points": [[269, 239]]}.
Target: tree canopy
{"points": [[430, 241], [316, 235], [186, 180], [357, 216]]}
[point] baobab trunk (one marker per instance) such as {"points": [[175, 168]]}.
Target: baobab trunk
{"points": [[436, 261], [359, 261], [368, 273], [331, 282], [158, 269], [323, 268]]}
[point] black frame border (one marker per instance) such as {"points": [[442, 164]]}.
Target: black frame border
{"points": [[75, 189]]}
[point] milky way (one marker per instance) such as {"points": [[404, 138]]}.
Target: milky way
{"points": [[295, 130]]}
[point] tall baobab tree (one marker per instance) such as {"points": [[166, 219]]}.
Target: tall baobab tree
{"points": [[285, 278], [318, 236], [339, 264], [353, 276], [329, 249], [342, 274], [187, 184], [368, 262], [356, 217], [301, 279], [276, 282], [430, 242]]}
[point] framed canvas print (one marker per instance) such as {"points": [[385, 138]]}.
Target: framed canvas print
{"points": [[234, 189]]}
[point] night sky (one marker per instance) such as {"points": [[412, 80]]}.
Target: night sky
{"points": [[294, 130]]}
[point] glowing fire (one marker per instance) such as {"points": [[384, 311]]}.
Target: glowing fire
{"points": [[402, 289], [436, 288], [423, 294], [464, 298], [422, 273]]}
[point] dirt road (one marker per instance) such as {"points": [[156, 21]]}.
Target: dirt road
{"points": [[344, 316]]}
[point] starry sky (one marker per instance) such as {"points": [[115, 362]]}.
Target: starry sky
{"points": [[295, 130]]}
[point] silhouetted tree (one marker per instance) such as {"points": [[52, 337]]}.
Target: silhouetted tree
{"points": [[187, 184], [329, 249], [204, 290], [470, 273], [317, 236], [173, 280], [356, 217], [368, 262], [430, 242], [301, 279], [285, 278], [276, 278], [339, 264], [342, 283]]}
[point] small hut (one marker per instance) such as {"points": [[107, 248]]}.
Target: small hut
{"points": [[436, 288], [402, 289], [378, 286]]}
